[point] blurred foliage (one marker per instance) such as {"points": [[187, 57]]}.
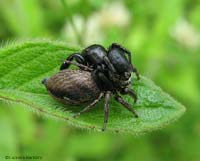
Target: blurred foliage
{"points": [[164, 39]]}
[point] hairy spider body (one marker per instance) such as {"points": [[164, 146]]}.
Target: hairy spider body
{"points": [[72, 86], [102, 73]]}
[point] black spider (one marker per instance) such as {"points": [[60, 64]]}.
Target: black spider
{"points": [[97, 57], [110, 70]]}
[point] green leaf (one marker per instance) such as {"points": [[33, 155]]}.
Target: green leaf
{"points": [[25, 64]]}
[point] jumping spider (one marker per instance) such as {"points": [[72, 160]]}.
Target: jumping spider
{"points": [[102, 73]]}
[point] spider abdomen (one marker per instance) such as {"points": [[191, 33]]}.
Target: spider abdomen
{"points": [[72, 86]]}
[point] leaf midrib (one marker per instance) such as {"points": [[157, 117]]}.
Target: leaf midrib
{"points": [[42, 94]]}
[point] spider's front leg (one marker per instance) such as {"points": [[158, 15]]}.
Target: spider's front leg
{"points": [[131, 93], [125, 104], [134, 69], [136, 72]]}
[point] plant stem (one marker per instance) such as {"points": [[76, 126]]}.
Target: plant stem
{"points": [[68, 12]]}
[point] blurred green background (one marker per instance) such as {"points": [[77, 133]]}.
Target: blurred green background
{"points": [[164, 37]]}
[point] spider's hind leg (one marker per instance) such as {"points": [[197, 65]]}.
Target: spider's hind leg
{"points": [[131, 93], [80, 61], [81, 66]]}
